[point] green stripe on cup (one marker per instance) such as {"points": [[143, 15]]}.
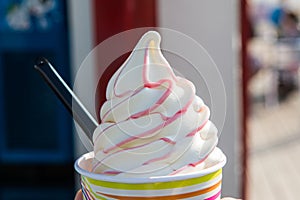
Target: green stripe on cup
{"points": [[91, 191], [155, 186]]}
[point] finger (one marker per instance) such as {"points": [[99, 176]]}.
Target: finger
{"points": [[78, 195]]}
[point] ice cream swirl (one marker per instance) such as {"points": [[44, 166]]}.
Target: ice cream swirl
{"points": [[152, 122]]}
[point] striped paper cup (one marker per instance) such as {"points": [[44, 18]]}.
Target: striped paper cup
{"points": [[205, 184]]}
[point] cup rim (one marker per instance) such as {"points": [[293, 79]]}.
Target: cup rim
{"points": [[164, 178]]}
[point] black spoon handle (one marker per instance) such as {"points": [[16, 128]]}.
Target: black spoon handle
{"points": [[80, 114]]}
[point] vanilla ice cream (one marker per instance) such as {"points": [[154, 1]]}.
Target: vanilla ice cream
{"points": [[153, 123]]}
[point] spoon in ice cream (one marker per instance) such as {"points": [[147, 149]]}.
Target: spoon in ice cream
{"points": [[81, 115]]}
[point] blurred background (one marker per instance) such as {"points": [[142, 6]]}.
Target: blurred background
{"points": [[254, 43], [273, 87]]}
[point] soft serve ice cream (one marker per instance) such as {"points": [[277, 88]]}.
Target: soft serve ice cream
{"points": [[153, 123]]}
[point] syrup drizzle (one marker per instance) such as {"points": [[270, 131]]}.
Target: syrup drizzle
{"points": [[147, 83]]}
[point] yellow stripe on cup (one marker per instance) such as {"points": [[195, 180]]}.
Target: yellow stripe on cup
{"points": [[178, 196], [155, 186]]}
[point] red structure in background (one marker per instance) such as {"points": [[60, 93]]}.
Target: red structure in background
{"points": [[245, 35], [112, 17]]}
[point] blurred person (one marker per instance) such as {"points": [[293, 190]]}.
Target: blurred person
{"points": [[288, 41], [288, 26], [285, 20]]}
